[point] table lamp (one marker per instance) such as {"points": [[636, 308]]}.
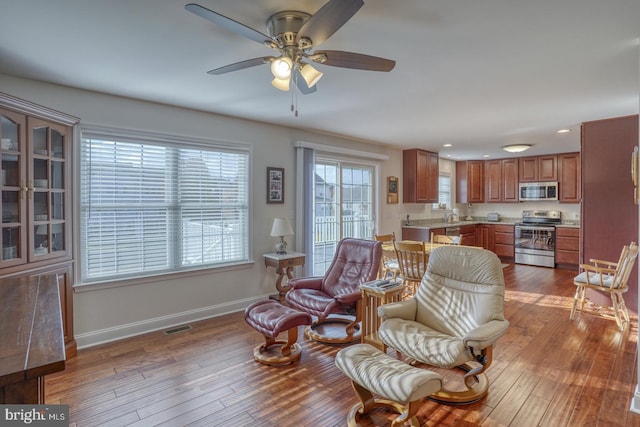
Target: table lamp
{"points": [[281, 227]]}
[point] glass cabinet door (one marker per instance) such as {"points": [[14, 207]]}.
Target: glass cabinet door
{"points": [[12, 188], [47, 189]]}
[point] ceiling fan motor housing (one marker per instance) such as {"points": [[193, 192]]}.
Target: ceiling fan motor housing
{"points": [[285, 25]]}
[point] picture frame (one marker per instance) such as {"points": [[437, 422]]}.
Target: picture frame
{"points": [[275, 185], [392, 189]]}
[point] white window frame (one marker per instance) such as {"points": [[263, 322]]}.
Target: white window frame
{"points": [[177, 142]]}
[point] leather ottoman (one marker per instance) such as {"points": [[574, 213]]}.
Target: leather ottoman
{"points": [[271, 318]]}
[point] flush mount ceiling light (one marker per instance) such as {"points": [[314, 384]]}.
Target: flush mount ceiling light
{"points": [[516, 148]]}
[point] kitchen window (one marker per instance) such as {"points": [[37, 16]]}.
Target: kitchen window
{"points": [[151, 204], [444, 191]]}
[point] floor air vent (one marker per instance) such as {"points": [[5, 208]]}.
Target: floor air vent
{"points": [[177, 329]]}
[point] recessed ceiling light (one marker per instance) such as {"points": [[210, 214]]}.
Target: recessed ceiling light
{"points": [[564, 131], [448, 145], [486, 155], [448, 155]]}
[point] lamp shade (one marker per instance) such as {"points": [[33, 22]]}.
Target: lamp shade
{"points": [[516, 148], [310, 74], [281, 227], [282, 84]]}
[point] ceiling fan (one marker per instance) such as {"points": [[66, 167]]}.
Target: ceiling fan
{"points": [[294, 34]]}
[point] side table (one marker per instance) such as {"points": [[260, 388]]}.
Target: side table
{"points": [[375, 294], [283, 263]]}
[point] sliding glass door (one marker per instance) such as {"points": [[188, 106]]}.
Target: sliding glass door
{"points": [[344, 206]]}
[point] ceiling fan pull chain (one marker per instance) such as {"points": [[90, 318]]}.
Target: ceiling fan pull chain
{"points": [[294, 94]]}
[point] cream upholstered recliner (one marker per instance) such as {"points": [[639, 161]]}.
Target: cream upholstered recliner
{"points": [[454, 318]]}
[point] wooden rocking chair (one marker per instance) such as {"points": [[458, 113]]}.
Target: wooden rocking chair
{"points": [[610, 277]]}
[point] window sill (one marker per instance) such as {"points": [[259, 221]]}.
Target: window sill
{"points": [[117, 283]]}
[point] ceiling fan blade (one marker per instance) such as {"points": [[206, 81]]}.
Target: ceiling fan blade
{"points": [[241, 65], [328, 19], [229, 24], [338, 58], [302, 85]]}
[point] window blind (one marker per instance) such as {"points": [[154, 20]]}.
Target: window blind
{"points": [[149, 207], [444, 191]]}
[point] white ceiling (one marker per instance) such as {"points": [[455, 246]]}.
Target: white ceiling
{"points": [[478, 74]]}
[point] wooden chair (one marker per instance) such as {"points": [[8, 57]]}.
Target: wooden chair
{"points": [[610, 277], [389, 267], [444, 240], [412, 259]]}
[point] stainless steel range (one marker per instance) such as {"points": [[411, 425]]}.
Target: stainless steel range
{"points": [[535, 238]]}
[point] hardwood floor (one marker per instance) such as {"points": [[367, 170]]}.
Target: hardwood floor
{"points": [[547, 371]]}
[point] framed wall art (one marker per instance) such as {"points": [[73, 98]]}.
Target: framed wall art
{"points": [[275, 185], [392, 189]]}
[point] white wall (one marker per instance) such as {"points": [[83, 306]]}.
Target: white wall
{"points": [[111, 313]]}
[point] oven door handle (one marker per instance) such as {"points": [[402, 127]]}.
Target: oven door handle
{"points": [[534, 228]]}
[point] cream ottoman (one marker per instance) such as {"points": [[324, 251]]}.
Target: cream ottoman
{"points": [[402, 386]]}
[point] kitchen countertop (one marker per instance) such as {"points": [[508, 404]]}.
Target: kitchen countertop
{"points": [[425, 224]]}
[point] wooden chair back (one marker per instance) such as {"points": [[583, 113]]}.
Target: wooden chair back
{"points": [[443, 240], [389, 268], [620, 270], [412, 260], [391, 237]]}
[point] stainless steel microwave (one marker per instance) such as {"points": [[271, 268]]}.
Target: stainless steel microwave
{"points": [[538, 191]]}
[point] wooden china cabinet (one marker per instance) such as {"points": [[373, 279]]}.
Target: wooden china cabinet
{"points": [[36, 148]]}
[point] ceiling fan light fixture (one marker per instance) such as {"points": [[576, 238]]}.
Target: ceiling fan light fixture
{"points": [[516, 148], [281, 67], [282, 84], [310, 74]]}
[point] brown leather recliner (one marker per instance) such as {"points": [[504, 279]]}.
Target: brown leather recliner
{"points": [[338, 292]]}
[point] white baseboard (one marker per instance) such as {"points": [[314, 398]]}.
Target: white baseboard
{"points": [[119, 332]]}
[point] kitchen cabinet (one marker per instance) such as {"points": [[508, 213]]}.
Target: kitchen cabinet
{"points": [[470, 181], [35, 233], [501, 180], [420, 172], [504, 240], [608, 215], [417, 234], [468, 235], [486, 236], [568, 247], [569, 178], [538, 168]]}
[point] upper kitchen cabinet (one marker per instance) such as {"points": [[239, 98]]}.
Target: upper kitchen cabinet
{"points": [[538, 168], [501, 180], [569, 177], [420, 173], [470, 181]]}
